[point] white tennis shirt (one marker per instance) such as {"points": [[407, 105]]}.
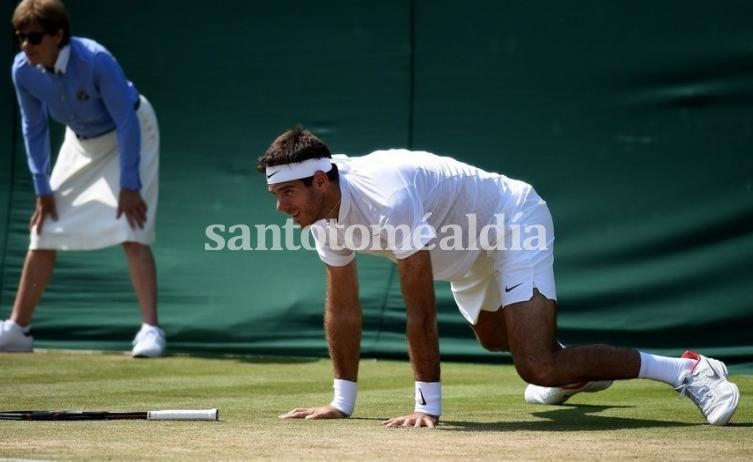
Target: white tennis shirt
{"points": [[395, 202]]}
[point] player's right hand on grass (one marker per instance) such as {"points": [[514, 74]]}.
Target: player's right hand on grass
{"points": [[323, 412]]}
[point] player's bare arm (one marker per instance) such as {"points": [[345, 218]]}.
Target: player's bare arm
{"points": [[342, 320], [417, 285], [342, 324]]}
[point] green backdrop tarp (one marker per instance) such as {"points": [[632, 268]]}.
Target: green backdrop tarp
{"points": [[633, 120]]}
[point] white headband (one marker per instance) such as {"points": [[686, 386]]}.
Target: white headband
{"points": [[297, 170]]}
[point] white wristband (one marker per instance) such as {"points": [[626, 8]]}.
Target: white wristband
{"points": [[345, 396], [429, 398]]}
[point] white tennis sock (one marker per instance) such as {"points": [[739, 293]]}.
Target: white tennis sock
{"points": [[664, 369]]}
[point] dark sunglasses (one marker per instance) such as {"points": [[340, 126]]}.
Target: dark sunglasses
{"points": [[34, 38]]}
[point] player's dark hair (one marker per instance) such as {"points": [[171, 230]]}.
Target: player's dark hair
{"points": [[296, 145]]}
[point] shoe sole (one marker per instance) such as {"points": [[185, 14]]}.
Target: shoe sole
{"points": [[721, 368], [142, 355], [590, 387], [602, 385], [148, 354], [727, 415], [16, 350]]}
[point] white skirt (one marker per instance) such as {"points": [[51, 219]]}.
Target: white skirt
{"points": [[86, 183]]}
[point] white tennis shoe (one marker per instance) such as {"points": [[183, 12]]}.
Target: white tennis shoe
{"points": [[149, 342], [535, 394], [707, 386], [14, 339]]}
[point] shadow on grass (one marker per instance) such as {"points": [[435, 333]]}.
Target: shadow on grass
{"points": [[244, 358], [566, 418]]}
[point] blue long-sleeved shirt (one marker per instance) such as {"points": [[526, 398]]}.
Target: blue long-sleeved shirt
{"points": [[90, 94]]}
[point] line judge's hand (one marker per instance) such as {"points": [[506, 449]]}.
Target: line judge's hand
{"points": [[322, 412], [133, 207], [417, 419], [45, 207]]}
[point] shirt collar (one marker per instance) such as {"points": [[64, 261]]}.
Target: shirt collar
{"points": [[62, 62]]}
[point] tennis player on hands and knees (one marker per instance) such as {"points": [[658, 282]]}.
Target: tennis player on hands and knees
{"points": [[505, 291], [104, 186]]}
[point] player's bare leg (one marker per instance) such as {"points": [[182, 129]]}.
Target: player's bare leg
{"points": [[528, 330], [539, 359], [491, 331]]}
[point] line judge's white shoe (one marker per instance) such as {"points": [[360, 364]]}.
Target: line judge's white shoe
{"points": [[707, 386], [149, 342], [535, 394], [14, 338]]}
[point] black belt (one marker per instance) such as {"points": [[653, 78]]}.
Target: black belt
{"points": [[86, 137]]}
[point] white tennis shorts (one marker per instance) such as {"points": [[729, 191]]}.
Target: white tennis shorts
{"points": [[86, 185], [502, 277]]}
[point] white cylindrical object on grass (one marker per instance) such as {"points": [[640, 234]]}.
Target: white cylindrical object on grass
{"points": [[199, 414]]}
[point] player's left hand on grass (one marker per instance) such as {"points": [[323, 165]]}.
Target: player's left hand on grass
{"points": [[322, 412], [133, 207], [417, 419]]}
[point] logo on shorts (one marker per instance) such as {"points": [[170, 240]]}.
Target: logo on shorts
{"points": [[82, 96], [508, 289]]}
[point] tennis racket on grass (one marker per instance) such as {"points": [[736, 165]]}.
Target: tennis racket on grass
{"points": [[199, 414]]}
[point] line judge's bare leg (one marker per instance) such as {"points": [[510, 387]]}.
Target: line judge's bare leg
{"points": [[15, 333], [35, 277], [150, 340], [143, 271]]}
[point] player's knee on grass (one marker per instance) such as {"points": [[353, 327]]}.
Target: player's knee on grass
{"points": [[537, 371]]}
